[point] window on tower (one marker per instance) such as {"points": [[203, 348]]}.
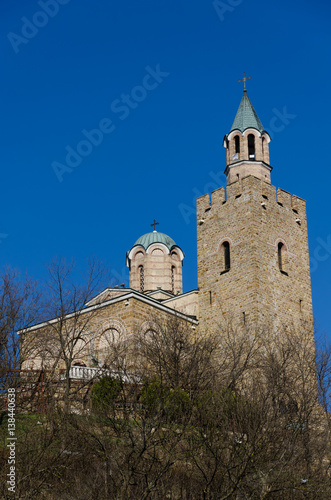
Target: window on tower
{"points": [[237, 144], [226, 255], [282, 258], [235, 155], [225, 250], [251, 147]]}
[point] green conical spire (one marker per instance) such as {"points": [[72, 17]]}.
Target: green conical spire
{"points": [[246, 116]]}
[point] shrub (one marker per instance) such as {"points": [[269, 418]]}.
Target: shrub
{"points": [[172, 403], [105, 392]]}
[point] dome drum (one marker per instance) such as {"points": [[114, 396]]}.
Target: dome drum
{"points": [[155, 262]]}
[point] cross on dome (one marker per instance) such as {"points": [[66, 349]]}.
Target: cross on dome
{"points": [[155, 224]]}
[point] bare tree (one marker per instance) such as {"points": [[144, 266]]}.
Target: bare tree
{"points": [[232, 415], [265, 436], [174, 353], [20, 307], [66, 300], [58, 342]]}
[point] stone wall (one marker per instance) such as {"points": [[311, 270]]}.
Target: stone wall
{"points": [[106, 331], [253, 219]]}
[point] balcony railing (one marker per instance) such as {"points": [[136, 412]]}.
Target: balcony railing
{"points": [[89, 373]]}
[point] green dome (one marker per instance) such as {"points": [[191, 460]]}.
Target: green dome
{"points": [[155, 237]]}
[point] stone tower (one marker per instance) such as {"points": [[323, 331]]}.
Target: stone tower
{"points": [[155, 263], [253, 260]]}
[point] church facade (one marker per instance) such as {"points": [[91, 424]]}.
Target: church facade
{"points": [[253, 261]]}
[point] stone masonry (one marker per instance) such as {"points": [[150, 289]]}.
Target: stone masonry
{"points": [[254, 219]]}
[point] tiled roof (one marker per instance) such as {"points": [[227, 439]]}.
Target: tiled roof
{"points": [[246, 116], [154, 237]]}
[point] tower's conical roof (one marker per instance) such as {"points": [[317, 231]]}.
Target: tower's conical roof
{"points": [[246, 116]]}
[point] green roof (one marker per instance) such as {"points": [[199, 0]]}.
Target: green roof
{"points": [[246, 116], [155, 237]]}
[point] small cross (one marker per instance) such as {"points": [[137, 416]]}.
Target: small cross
{"points": [[154, 224], [244, 80]]}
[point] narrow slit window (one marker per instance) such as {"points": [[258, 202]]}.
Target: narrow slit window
{"points": [[141, 278], [237, 144], [251, 147], [280, 256], [226, 249], [173, 279]]}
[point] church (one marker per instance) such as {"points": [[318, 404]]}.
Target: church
{"points": [[253, 263]]}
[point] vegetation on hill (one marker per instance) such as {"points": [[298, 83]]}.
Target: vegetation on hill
{"points": [[237, 414]]}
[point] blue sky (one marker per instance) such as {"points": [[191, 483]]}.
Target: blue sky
{"points": [[158, 79]]}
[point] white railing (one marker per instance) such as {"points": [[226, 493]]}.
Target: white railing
{"points": [[89, 373], [86, 373]]}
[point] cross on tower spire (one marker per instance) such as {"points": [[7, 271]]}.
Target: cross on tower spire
{"points": [[155, 224], [244, 79]]}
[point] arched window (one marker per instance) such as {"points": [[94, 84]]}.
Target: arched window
{"points": [[251, 147], [263, 147], [174, 256], [225, 249], [282, 258], [107, 346], [157, 251], [141, 278], [237, 144], [79, 363]]}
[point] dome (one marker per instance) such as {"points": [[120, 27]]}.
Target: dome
{"points": [[155, 262], [155, 237]]}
